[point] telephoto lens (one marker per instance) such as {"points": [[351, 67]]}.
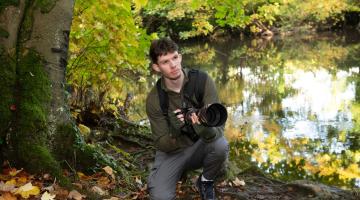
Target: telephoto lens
{"points": [[213, 115]]}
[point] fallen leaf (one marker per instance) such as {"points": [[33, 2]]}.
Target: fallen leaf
{"points": [[83, 177], [60, 192], [11, 182], [47, 196], [109, 171], [22, 180], [138, 180], [84, 130], [113, 198], [6, 187], [103, 181], [75, 195], [98, 190], [14, 172], [7, 196], [27, 190], [237, 182], [46, 176]]}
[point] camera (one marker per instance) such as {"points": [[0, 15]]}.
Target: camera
{"points": [[211, 115]]}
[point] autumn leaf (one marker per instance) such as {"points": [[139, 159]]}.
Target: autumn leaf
{"points": [[47, 196], [22, 180], [112, 198], [6, 187], [27, 190], [14, 172], [98, 190], [237, 182], [11, 182], [75, 195], [82, 176], [138, 181], [103, 181], [84, 129], [7, 196], [109, 171]]}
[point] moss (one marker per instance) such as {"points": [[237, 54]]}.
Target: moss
{"points": [[33, 95], [45, 5], [27, 23], [28, 139], [3, 33], [40, 160], [69, 146], [7, 80]]}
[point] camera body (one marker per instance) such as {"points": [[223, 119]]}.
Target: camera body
{"points": [[211, 115]]}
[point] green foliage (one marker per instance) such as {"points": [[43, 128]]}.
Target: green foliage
{"points": [[106, 46], [230, 13], [193, 18]]}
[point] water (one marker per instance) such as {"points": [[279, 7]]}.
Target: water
{"points": [[293, 103]]}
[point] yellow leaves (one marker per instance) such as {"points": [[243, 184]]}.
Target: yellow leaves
{"points": [[352, 171], [84, 130], [17, 184], [139, 4], [27, 190], [179, 10]]}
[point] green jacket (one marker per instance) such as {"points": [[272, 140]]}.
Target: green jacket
{"points": [[167, 141]]}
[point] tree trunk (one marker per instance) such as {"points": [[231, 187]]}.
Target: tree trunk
{"points": [[36, 131]]}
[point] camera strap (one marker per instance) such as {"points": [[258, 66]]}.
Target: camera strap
{"points": [[194, 87]]}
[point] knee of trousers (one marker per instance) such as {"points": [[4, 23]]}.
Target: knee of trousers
{"points": [[158, 194], [221, 148]]}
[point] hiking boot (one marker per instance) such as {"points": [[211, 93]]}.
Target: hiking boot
{"points": [[206, 189]]}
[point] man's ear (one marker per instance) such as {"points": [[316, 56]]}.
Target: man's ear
{"points": [[155, 67]]}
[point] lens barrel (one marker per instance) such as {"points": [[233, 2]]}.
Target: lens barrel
{"points": [[213, 115]]}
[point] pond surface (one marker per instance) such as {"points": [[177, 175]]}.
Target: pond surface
{"points": [[293, 103]]}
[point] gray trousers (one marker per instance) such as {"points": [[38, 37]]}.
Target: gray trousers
{"points": [[168, 167]]}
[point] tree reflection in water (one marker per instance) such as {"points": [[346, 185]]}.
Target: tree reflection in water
{"points": [[293, 103]]}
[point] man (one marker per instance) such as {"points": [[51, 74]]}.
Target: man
{"points": [[177, 151]]}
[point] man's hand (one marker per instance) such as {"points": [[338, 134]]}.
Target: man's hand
{"points": [[194, 118]]}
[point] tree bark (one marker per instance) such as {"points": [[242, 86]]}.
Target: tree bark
{"points": [[36, 131], [33, 47]]}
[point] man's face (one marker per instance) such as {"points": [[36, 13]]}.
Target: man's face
{"points": [[169, 65]]}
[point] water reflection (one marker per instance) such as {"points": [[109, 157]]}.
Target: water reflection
{"points": [[294, 104]]}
